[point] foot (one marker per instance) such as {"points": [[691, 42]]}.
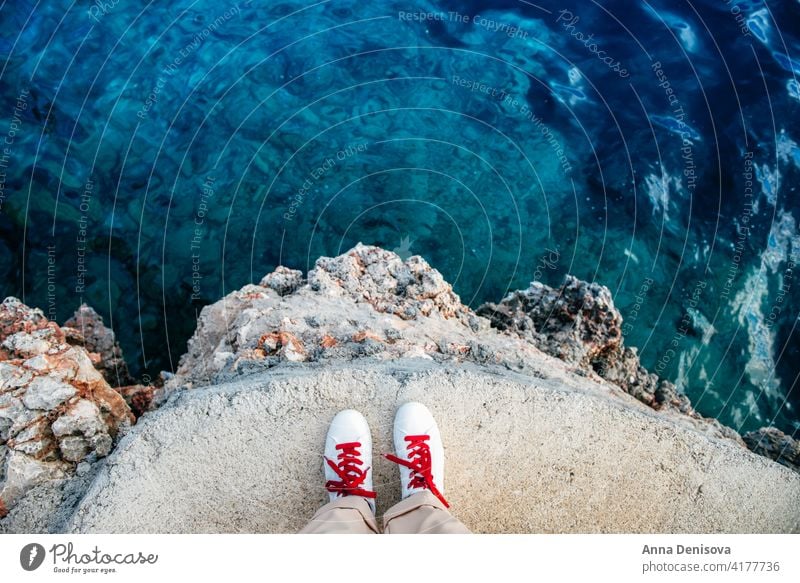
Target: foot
{"points": [[419, 451], [348, 457]]}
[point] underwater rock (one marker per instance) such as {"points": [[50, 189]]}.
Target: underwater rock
{"points": [[775, 444], [86, 329], [56, 409]]}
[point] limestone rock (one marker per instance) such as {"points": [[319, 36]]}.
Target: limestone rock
{"points": [[21, 473], [47, 393], [86, 329], [579, 324], [81, 429], [776, 445], [17, 317], [523, 455], [283, 280], [381, 278], [365, 303], [56, 409], [285, 344]]}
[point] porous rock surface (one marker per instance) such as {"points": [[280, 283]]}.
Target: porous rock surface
{"points": [[775, 444], [85, 328], [370, 303], [579, 324], [56, 409], [523, 454], [550, 423]]}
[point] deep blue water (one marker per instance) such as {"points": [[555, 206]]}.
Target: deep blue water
{"points": [[160, 155]]}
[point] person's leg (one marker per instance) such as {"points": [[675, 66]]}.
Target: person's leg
{"points": [[347, 515], [420, 455], [348, 470], [421, 513]]}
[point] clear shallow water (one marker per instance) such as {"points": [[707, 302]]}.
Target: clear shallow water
{"points": [[158, 157]]}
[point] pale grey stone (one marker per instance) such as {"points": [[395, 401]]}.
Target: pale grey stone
{"points": [[83, 417], [283, 280], [27, 344], [13, 376], [47, 393], [23, 472], [73, 448], [522, 455]]}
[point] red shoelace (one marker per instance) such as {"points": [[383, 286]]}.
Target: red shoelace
{"points": [[419, 463], [350, 472]]}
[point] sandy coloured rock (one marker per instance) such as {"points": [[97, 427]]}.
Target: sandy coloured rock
{"points": [[523, 454], [86, 329], [56, 409], [47, 393]]}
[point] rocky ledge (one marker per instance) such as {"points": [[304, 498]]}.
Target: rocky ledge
{"points": [[283, 355], [56, 409]]}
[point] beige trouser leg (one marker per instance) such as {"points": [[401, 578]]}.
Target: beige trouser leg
{"points": [[421, 513], [345, 515]]}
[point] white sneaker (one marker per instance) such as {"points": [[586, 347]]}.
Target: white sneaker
{"points": [[348, 457], [419, 450]]}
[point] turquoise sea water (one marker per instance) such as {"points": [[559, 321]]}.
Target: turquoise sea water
{"points": [[159, 155]]}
